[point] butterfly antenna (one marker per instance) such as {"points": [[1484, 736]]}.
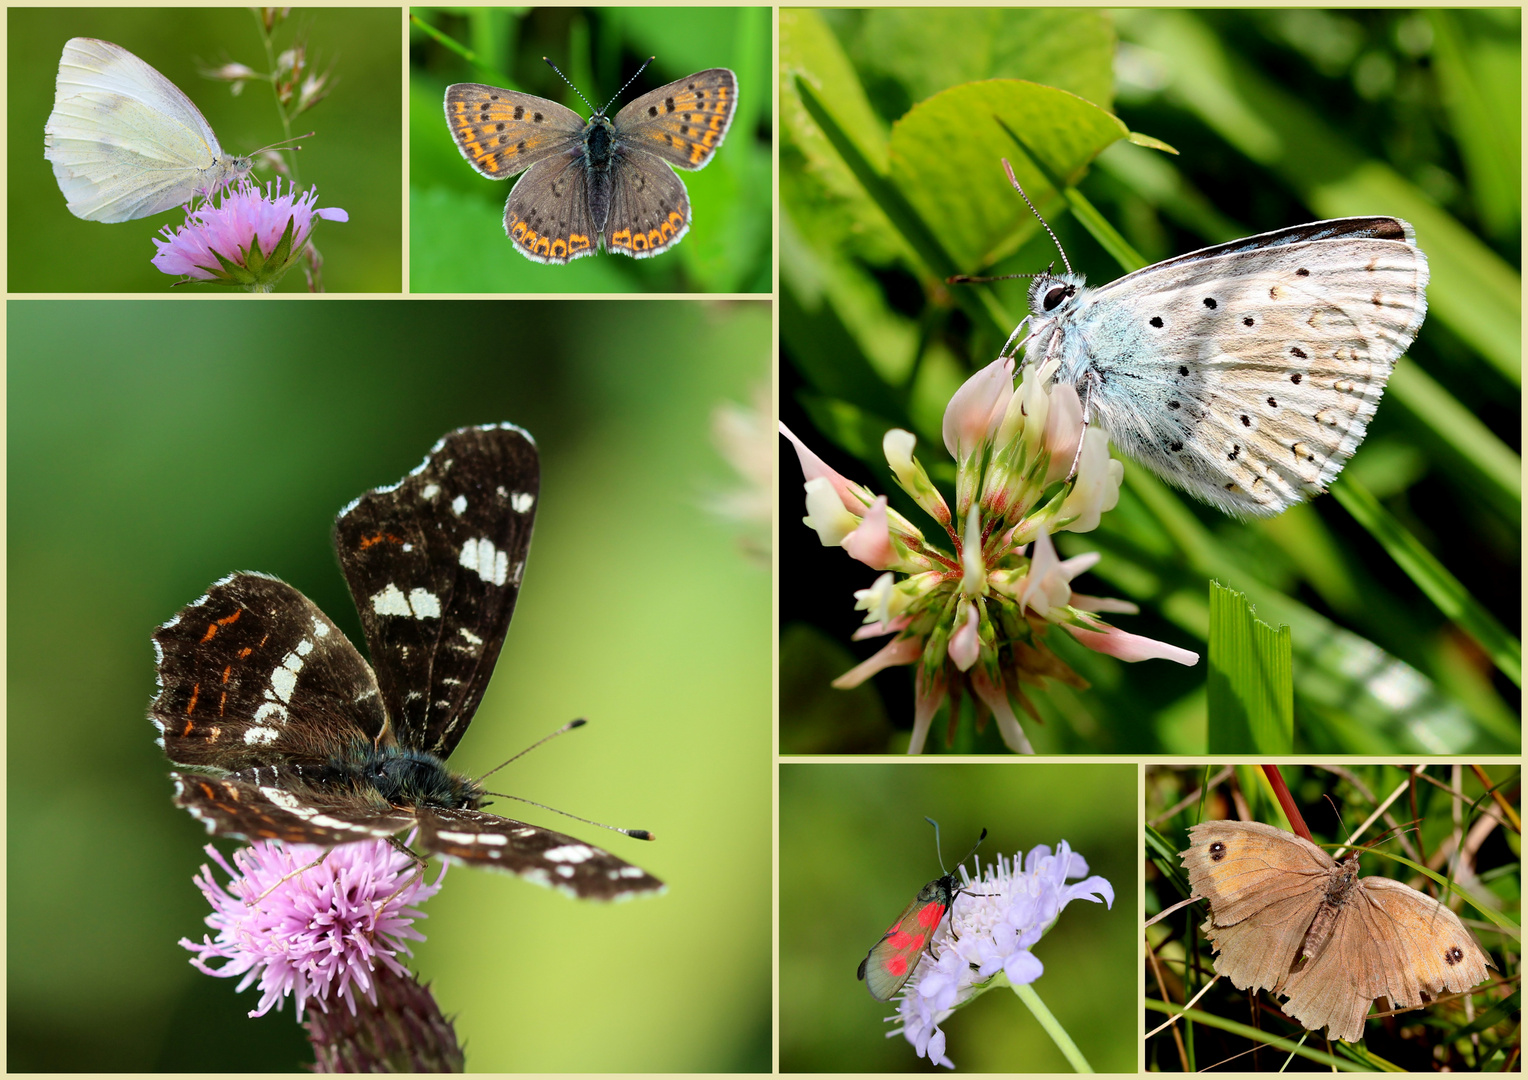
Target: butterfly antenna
{"points": [[629, 81], [283, 143], [1014, 180], [635, 834], [577, 91], [569, 726]]}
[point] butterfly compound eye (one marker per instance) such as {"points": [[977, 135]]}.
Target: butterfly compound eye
{"points": [[1054, 298]]}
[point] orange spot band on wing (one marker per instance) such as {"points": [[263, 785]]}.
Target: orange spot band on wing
{"points": [[196, 689]]}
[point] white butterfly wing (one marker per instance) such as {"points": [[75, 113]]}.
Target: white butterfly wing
{"points": [[1247, 374], [124, 141]]}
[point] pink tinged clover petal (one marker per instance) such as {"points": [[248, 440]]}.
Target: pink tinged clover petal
{"points": [[813, 467], [965, 644], [1096, 489], [996, 699], [977, 407], [929, 697], [1130, 647], [881, 629], [870, 542], [1063, 431], [901, 651], [826, 514]]}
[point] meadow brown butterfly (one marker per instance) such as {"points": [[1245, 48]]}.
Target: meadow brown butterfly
{"points": [[1286, 917]]}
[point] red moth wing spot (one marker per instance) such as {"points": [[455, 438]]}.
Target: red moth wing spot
{"points": [[929, 917], [897, 966], [902, 941]]}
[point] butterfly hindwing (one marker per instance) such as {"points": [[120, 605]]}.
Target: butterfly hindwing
{"points": [[649, 208], [434, 564], [254, 674], [539, 855], [548, 215], [281, 809]]}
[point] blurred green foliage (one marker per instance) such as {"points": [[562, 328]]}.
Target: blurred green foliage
{"points": [[890, 180], [226, 438], [355, 158], [855, 850], [456, 217], [1428, 834]]}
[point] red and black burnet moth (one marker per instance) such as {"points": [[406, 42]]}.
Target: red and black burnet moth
{"points": [[892, 959]]}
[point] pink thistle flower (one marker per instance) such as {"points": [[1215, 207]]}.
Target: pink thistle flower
{"points": [[319, 935], [250, 238]]}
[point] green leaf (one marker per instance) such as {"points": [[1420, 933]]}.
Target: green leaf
{"points": [[1251, 679]]}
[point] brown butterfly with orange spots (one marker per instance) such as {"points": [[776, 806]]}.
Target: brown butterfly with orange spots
{"points": [[600, 182], [892, 960]]}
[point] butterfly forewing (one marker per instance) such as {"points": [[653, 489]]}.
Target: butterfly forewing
{"points": [[434, 564], [501, 132], [684, 122], [893, 959], [254, 674]]}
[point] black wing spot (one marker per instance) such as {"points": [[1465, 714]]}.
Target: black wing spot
{"points": [[1156, 320], [1302, 272], [1209, 302], [1247, 321], [1272, 404], [1172, 405], [1245, 422], [1182, 369], [1295, 378], [1218, 848], [1175, 446]]}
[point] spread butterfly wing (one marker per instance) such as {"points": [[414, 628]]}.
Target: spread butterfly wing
{"points": [[283, 809], [501, 132], [1264, 886], [1248, 373], [254, 674], [124, 141], [547, 214], [684, 122], [434, 563], [538, 855], [649, 207]]}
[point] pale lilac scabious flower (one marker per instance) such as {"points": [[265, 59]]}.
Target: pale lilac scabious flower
{"points": [[998, 922], [252, 237], [319, 935]]}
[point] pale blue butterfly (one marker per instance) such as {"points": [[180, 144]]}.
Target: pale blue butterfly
{"points": [[1244, 373]]}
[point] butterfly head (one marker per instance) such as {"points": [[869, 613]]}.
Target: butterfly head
{"points": [[406, 777]]}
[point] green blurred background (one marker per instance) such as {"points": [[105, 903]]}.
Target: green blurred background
{"points": [[456, 217], [1280, 117], [356, 159], [214, 437], [855, 850], [1354, 790]]}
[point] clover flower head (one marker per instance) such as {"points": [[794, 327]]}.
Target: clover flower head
{"points": [[319, 934], [248, 237], [996, 920], [973, 616]]}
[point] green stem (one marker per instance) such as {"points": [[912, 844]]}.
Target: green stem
{"points": [[1053, 1028]]}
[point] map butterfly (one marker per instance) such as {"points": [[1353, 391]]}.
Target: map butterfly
{"points": [[286, 733]]}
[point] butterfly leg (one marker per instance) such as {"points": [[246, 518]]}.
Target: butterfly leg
{"points": [[1004, 350], [286, 878], [1087, 419]]}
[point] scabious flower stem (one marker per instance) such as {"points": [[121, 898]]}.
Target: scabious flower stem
{"points": [[1052, 1027]]}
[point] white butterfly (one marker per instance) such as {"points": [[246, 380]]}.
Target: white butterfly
{"points": [[124, 141], [1244, 373]]}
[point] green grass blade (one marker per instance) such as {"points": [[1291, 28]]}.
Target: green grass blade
{"points": [[1441, 587], [1251, 679]]}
